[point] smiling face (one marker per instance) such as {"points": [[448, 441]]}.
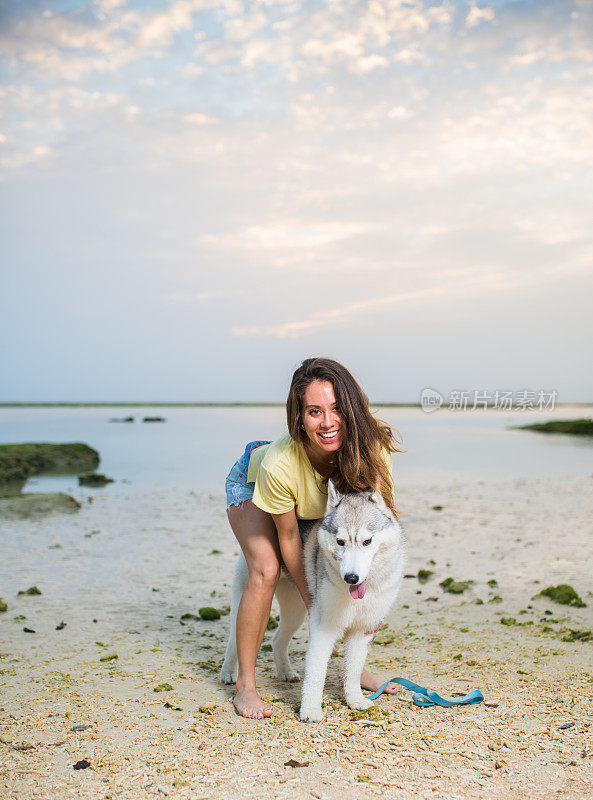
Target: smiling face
{"points": [[322, 420]]}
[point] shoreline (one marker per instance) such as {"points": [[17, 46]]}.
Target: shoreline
{"points": [[118, 550], [239, 404]]}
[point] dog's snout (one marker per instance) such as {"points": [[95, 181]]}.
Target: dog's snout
{"points": [[351, 577]]}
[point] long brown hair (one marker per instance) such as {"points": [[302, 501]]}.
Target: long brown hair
{"points": [[361, 466]]}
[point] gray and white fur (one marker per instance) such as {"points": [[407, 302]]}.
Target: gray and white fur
{"points": [[354, 563]]}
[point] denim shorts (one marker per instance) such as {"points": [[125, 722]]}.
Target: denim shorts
{"points": [[237, 488]]}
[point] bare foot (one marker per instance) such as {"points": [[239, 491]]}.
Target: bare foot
{"points": [[372, 682], [249, 704]]}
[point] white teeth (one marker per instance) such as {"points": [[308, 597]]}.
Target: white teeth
{"points": [[329, 435]]}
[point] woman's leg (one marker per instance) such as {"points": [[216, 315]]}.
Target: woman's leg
{"points": [[256, 533]]}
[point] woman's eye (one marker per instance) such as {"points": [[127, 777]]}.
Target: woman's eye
{"points": [[341, 542], [366, 542]]}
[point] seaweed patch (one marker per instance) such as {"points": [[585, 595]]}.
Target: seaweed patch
{"points": [[563, 594]]}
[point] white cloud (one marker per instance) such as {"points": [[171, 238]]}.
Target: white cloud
{"points": [[409, 55], [199, 119], [321, 319], [556, 229], [525, 59], [369, 63], [399, 112], [477, 15], [288, 235], [470, 283], [110, 5], [245, 25], [159, 30], [18, 159]]}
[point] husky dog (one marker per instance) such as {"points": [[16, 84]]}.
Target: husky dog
{"points": [[354, 562]]}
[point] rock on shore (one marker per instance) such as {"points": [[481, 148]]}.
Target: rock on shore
{"points": [[25, 506]]}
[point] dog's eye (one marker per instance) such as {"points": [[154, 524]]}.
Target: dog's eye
{"points": [[341, 542], [367, 542]]}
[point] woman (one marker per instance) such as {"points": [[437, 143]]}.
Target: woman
{"points": [[331, 433]]}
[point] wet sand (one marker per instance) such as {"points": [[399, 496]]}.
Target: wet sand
{"points": [[126, 570]]}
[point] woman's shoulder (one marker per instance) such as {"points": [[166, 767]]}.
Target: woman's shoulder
{"points": [[282, 453]]}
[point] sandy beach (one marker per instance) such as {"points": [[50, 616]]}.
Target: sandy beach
{"points": [[123, 570]]}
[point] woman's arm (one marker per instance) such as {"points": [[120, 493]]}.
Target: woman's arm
{"points": [[291, 548]]}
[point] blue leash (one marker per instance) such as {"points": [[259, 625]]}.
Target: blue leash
{"points": [[427, 697]]}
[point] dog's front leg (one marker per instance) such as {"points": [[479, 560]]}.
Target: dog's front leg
{"points": [[321, 642], [355, 653], [228, 673]]}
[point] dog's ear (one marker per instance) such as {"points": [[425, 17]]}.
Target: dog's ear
{"points": [[377, 498], [333, 496]]}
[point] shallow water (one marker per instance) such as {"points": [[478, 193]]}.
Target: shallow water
{"points": [[195, 447]]}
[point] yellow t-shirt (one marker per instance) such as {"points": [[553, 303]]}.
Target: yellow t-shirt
{"points": [[285, 479]]}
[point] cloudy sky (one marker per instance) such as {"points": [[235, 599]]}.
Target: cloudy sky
{"points": [[197, 194]]}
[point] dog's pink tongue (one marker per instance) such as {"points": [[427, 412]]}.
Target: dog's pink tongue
{"points": [[357, 592]]}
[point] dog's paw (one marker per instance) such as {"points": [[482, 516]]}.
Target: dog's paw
{"points": [[288, 674], [311, 713], [359, 703], [227, 675]]}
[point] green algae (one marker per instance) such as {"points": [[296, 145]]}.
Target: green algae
{"points": [[32, 590], [266, 648], [578, 636], [188, 615], [424, 574], [563, 594], [163, 687], [272, 624], [573, 427], [94, 480], [384, 638], [111, 657], [209, 664], [492, 583], [14, 472], [3, 606], [25, 506], [454, 587], [45, 457], [208, 613], [512, 621]]}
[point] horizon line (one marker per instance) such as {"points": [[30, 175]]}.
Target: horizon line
{"points": [[221, 404]]}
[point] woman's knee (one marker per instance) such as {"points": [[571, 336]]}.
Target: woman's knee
{"points": [[265, 574]]}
